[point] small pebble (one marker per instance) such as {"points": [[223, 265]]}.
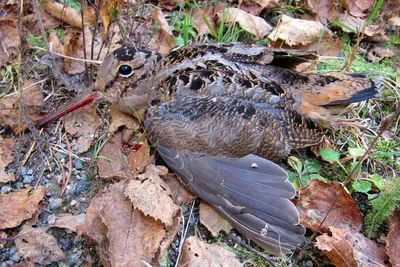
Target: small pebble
{"points": [[15, 257], [9, 262], [61, 155], [71, 189], [51, 219], [81, 186], [78, 164], [5, 189], [28, 179], [55, 203], [309, 264], [73, 202], [22, 171], [29, 172]]}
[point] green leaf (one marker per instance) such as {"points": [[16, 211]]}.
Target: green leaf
{"points": [[179, 41], [378, 181], [293, 179], [362, 186], [344, 26], [356, 151], [295, 163], [329, 155], [311, 165], [354, 164]]}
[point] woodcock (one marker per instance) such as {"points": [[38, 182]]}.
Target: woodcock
{"points": [[216, 111]]}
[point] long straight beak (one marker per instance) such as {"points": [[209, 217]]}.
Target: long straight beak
{"points": [[80, 101]]}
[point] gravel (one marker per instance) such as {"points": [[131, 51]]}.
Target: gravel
{"points": [[55, 203]]}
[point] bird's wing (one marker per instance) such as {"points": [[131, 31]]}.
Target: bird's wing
{"points": [[251, 192]]}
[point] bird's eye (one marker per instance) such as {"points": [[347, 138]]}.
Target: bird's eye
{"points": [[125, 71]]}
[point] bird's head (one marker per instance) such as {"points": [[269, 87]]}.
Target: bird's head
{"points": [[126, 76]]}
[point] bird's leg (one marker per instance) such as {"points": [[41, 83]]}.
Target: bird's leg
{"points": [[80, 101]]}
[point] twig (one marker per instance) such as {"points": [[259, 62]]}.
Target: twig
{"points": [[271, 260], [64, 56], [69, 166], [59, 163], [184, 233]]}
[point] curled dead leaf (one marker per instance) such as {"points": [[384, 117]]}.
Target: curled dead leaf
{"points": [[179, 192], [69, 221], [10, 41], [316, 199], [55, 44], [349, 248], [6, 157], [393, 239], [15, 207], [198, 253], [119, 119], [82, 124], [214, 222], [37, 245], [150, 194], [255, 7], [377, 53], [164, 39], [248, 22], [358, 8], [139, 159]]}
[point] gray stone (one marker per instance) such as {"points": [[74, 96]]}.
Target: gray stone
{"points": [[81, 186], [22, 171], [71, 189], [55, 203], [5, 189], [29, 172], [28, 179], [51, 219], [15, 257], [61, 155], [78, 164]]}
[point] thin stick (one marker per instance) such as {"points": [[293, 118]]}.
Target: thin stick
{"points": [[69, 166]]}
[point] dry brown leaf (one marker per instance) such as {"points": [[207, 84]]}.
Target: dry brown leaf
{"points": [[296, 31], [69, 221], [395, 21], [6, 157], [32, 101], [168, 239], [69, 15], [55, 44], [358, 8], [37, 245], [3, 235], [325, 144], [112, 162], [82, 124], [138, 160], [132, 236], [214, 222], [119, 119], [315, 200], [393, 239], [167, 4], [32, 24], [199, 17], [150, 194], [164, 38], [105, 12], [94, 227], [248, 22], [179, 192], [348, 248], [10, 41], [255, 7], [377, 53], [15, 207], [198, 253]]}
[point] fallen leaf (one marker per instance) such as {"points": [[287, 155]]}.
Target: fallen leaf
{"points": [[69, 15], [151, 195], [214, 222], [248, 22], [82, 124], [179, 193], [119, 119], [376, 53], [168, 239], [164, 39], [33, 101], [325, 144], [315, 200], [32, 24], [69, 221], [349, 248], [132, 237], [3, 235], [200, 16], [167, 4], [138, 160], [358, 8], [55, 44], [395, 21], [393, 238], [10, 41], [6, 157], [105, 12], [112, 163], [255, 7], [15, 207], [37, 245], [198, 253]]}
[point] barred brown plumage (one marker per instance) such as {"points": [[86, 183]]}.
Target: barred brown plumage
{"points": [[213, 110]]}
